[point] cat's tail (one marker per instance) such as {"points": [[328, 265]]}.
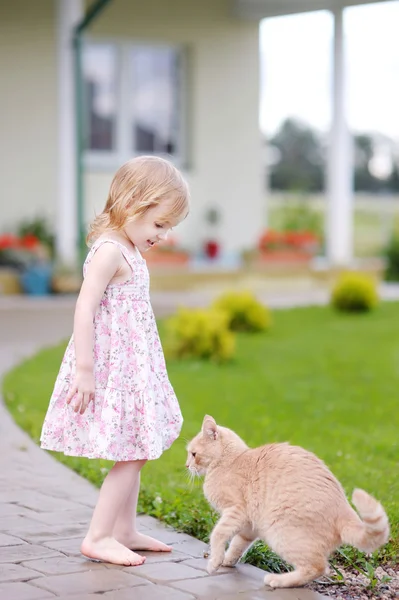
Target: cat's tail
{"points": [[372, 529]]}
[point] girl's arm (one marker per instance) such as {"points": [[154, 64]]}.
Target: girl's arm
{"points": [[101, 269]]}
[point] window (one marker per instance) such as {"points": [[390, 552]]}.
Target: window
{"points": [[133, 101], [100, 77]]}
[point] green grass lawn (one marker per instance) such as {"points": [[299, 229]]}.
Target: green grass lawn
{"points": [[326, 381]]}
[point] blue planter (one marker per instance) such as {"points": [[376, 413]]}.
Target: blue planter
{"points": [[36, 280]]}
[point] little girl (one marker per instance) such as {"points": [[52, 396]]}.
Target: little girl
{"points": [[112, 398]]}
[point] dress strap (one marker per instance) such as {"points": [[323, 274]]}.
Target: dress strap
{"points": [[129, 256]]}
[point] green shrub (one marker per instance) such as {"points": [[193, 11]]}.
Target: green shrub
{"points": [[392, 259], [354, 292], [244, 311], [200, 333], [300, 216]]}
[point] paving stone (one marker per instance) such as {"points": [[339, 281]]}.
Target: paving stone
{"points": [[42, 532], [193, 548], [42, 503], [153, 592], [18, 554], [10, 572], [161, 557], [80, 515], [201, 563], [11, 495], [169, 536], [10, 524], [97, 581], [88, 499], [69, 547], [168, 572], [23, 591], [7, 509], [215, 585], [10, 540], [63, 564], [155, 558], [89, 596], [151, 522], [268, 594], [241, 568]]}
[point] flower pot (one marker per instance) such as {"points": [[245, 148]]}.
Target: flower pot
{"points": [[36, 280], [154, 257], [66, 283], [9, 281], [284, 256]]}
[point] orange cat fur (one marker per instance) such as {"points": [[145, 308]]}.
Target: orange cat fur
{"points": [[283, 495]]}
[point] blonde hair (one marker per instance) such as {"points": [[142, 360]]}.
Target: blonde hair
{"points": [[140, 184]]}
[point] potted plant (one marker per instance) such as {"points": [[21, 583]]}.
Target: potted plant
{"points": [[9, 269], [287, 246], [30, 258]]}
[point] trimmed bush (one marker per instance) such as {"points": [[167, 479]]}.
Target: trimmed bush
{"points": [[354, 292], [392, 259], [244, 311], [199, 333]]}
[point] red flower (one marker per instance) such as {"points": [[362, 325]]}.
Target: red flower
{"points": [[298, 240], [29, 241], [8, 240]]}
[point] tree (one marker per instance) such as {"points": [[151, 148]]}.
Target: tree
{"points": [[300, 158], [300, 161], [364, 151], [393, 181]]}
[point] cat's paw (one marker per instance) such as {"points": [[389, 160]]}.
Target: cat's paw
{"points": [[212, 566], [271, 580], [229, 562]]}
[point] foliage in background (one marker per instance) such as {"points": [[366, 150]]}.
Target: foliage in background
{"points": [[22, 251], [199, 333], [299, 156], [299, 217], [391, 254], [354, 292], [297, 226], [244, 311], [40, 228]]}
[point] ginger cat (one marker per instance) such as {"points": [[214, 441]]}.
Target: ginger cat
{"points": [[285, 496]]}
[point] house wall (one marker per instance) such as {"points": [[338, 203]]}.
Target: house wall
{"points": [[224, 167], [28, 110], [223, 87]]}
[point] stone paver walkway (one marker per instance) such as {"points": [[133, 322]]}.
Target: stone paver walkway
{"points": [[45, 507]]}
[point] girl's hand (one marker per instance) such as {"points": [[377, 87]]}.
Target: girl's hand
{"points": [[82, 389]]}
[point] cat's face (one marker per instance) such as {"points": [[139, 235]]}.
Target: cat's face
{"points": [[204, 448]]}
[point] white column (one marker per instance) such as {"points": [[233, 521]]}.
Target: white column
{"points": [[69, 13], [339, 167]]}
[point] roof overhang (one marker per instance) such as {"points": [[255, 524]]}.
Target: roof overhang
{"points": [[260, 9]]}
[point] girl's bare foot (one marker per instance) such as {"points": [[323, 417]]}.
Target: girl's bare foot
{"points": [[111, 551], [139, 541]]}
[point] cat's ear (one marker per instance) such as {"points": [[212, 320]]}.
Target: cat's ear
{"points": [[209, 427]]}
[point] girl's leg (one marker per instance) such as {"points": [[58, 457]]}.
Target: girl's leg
{"points": [[100, 543], [125, 527]]}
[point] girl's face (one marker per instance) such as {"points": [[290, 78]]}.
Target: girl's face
{"points": [[150, 229]]}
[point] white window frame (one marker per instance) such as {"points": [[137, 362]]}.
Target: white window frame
{"points": [[111, 160]]}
